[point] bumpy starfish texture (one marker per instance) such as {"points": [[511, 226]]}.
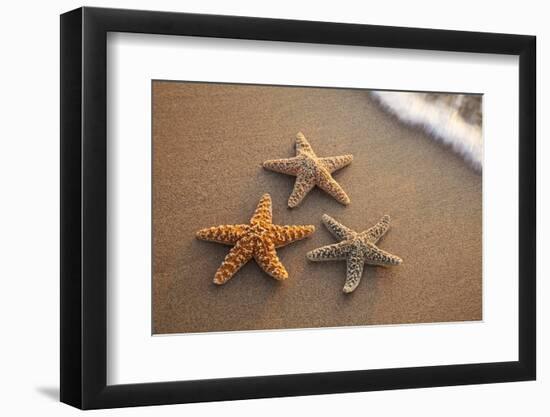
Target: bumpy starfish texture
{"points": [[257, 240], [311, 171], [356, 249]]}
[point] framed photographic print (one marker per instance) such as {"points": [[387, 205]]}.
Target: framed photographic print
{"points": [[257, 208]]}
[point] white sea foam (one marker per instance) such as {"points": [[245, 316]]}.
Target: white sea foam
{"points": [[441, 121]]}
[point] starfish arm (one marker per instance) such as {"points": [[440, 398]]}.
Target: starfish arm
{"points": [[239, 255], [283, 235], [302, 145], [354, 272], [329, 185], [289, 166], [334, 252], [377, 256], [378, 230], [266, 257], [263, 211], [334, 163], [302, 186], [338, 230], [226, 234]]}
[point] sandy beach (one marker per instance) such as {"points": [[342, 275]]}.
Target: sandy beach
{"points": [[209, 142]]}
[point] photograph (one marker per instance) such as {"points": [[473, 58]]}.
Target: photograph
{"points": [[304, 207], [264, 209]]}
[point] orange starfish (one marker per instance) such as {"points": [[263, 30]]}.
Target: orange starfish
{"points": [[257, 240], [311, 171]]}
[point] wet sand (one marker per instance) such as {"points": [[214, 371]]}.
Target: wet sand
{"points": [[209, 141]]}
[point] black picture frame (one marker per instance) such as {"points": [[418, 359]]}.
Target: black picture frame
{"points": [[84, 207]]}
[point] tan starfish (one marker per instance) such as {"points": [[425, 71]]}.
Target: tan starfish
{"points": [[257, 240], [311, 171], [356, 248]]}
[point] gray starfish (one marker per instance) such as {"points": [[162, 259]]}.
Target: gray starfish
{"points": [[356, 248]]}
